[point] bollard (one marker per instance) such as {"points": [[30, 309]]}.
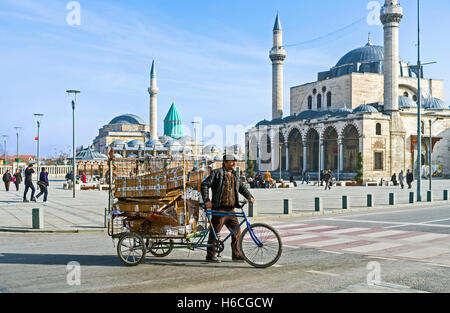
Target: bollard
{"points": [[345, 204], [252, 209], [318, 204], [370, 201], [38, 218], [287, 206], [391, 199], [429, 196], [411, 197], [445, 196]]}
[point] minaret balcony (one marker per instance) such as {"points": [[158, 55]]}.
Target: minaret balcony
{"points": [[153, 91]]}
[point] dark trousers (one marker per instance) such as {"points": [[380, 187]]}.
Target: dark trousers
{"points": [[327, 185], [231, 222], [7, 185], [17, 186], [30, 186], [44, 191]]}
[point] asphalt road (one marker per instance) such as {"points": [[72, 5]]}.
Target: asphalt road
{"points": [[39, 262]]}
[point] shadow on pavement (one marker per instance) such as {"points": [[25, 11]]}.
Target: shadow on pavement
{"points": [[106, 260], [59, 259]]}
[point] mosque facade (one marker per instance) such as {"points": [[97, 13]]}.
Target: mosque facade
{"points": [[364, 106]]}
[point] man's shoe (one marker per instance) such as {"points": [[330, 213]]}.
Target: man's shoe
{"points": [[213, 259], [33, 200], [25, 200], [238, 259]]}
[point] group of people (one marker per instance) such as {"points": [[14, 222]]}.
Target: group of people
{"points": [[29, 171], [401, 179], [261, 181], [16, 179]]}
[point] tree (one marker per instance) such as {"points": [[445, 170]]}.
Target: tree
{"points": [[250, 168], [359, 169]]}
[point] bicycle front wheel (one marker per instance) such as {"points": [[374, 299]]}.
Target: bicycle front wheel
{"points": [[261, 247]]}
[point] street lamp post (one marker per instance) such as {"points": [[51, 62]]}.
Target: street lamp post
{"points": [[4, 148], [17, 133], [430, 152], [419, 107], [74, 93], [38, 119]]}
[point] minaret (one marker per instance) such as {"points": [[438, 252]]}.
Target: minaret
{"points": [[153, 91], [277, 55], [391, 15]]}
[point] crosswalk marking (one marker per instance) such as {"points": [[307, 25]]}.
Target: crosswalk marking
{"points": [[331, 242], [383, 233], [373, 247], [299, 237], [345, 230], [315, 228], [425, 238]]}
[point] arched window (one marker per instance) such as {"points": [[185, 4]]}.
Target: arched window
{"points": [[415, 98], [309, 103], [422, 126], [406, 94], [319, 101], [329, 99], [378, 129]]}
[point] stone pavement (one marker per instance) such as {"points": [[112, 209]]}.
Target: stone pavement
{"points": [[87, 211]]}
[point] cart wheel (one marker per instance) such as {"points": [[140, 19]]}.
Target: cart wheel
{"points": [[131, 249], [263, 252], [161, 247]]}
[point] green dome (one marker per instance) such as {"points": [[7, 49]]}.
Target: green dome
{"points": [[173, 123]]}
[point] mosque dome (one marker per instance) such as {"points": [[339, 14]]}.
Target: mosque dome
{"points": [[368, 53], [263, 123], [136, 143], [432, 103], [127, 119], [118, 142], [406, 103], [365, 108]]}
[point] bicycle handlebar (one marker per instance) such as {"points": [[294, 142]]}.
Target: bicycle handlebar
{"points": [[241, 204]]}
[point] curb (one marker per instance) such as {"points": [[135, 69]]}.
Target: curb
{"points": [[342, 211], [51, 231], [252, 219]]}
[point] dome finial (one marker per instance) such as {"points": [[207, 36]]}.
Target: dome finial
{"points": [[369, 42]]}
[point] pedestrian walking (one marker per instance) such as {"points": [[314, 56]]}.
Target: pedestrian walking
{"points": [[394, 179], [29, 183], [401, 179], [7, 178], [17, 179], [321, 177], [267, 179], [43, 184], [409, 178], [327, 179], [83, 178], [225, 187]]}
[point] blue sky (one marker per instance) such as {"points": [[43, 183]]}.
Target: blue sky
{"points": [[211, 56]]}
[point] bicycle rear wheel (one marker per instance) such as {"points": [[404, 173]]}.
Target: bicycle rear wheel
{"points": [[265, 253]]}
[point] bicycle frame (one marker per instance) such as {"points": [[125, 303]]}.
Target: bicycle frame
{"points": [[210, 213]]}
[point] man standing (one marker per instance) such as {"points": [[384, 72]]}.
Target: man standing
{"points": [[401, 179], [409, 178], [29, 183], [225, 187], [7, 179]]}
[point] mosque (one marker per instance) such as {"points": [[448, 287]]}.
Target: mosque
{"points": [[131, 137], [364, 106]]}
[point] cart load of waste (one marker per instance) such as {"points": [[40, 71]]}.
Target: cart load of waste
{"points": [[157, 201]]}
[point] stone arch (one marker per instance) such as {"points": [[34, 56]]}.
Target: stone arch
{"points": [[348, 124], [330, 140], [295, 147], [312, 143], [350, 143]]}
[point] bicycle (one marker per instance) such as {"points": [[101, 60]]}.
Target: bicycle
{"points": [[260, 244]]}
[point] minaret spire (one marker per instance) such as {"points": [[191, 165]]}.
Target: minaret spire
{"points": [[153, 91], [277, 56]]}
